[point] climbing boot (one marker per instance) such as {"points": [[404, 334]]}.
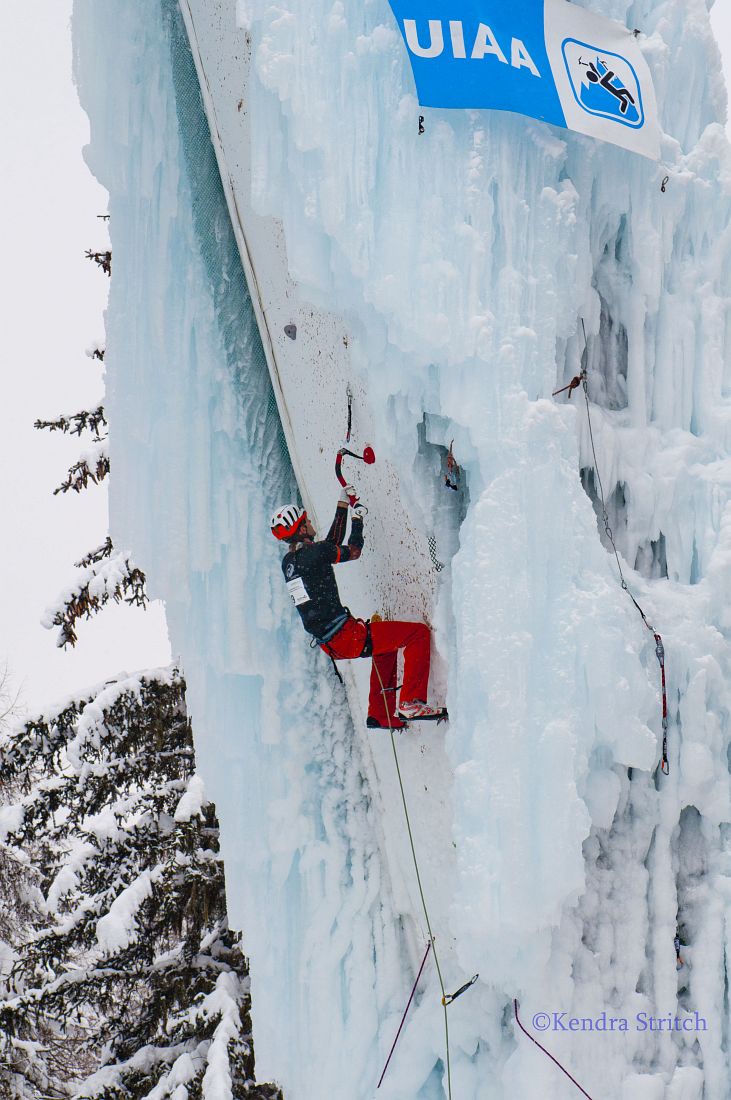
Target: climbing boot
{"points": [[416, 711], [396, 724]]}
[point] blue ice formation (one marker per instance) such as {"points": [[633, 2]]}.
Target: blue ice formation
{"points": [[455, 267]]}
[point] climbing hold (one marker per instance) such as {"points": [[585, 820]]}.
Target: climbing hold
{"points": [[665, 182], [291, 331], [421, 124], [369, 456]]}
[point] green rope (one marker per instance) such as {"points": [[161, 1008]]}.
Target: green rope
{"points": [[418, 879]]}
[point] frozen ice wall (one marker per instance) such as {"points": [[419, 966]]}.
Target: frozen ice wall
{"points": [[199, 465], [464, 261]]}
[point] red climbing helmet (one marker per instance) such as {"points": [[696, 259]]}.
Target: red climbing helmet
{"points": [[287, 521]]}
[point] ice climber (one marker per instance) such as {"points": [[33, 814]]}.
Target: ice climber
{"points": [[308, 572]]}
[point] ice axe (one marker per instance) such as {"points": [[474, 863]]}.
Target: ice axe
{"points": [[368, 457]]}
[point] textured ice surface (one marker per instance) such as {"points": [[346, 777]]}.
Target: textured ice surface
{"points": [[199, 467], [462, 261]]}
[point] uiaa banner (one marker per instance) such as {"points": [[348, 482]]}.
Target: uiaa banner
{"points": [[548, 59]]}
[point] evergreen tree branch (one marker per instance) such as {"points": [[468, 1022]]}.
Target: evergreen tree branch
{"points": [[93, 467], [92, 420], [135, 957], [110, 576]]}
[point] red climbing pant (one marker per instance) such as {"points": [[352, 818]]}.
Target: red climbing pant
{"points": [[387, 638]]}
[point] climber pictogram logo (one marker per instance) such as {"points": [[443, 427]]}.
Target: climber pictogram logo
{"points": [[604, 83]]}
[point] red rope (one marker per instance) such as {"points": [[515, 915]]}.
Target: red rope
{"points": [[581, 379], [408, 1006], [555, 1060]]}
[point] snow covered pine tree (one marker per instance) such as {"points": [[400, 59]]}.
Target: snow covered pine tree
{"points": [[107, 574], [135, 985]]}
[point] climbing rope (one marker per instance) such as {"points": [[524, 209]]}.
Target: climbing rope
{"points": [[581, 380], [541, 1047], [403, 1018], [445, 995]]}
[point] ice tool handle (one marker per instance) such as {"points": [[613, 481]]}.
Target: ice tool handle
{"points": [[368, 457]]}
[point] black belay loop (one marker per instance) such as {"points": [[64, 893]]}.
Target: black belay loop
{"points": [[449, 997]]}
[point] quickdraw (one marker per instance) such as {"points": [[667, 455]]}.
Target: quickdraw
{"points": [[448, 998]]}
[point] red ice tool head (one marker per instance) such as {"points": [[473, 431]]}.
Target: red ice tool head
{"points": [[368, 457]]}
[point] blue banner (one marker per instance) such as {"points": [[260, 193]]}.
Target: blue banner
{"points": [[548, 59], [484, 53]]}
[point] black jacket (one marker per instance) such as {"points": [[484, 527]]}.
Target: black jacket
{"points": [[308, 571]]}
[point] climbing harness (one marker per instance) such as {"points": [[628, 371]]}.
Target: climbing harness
{"points": [[581, 380], [403, 1018], [451, 478], [541, 1047]]}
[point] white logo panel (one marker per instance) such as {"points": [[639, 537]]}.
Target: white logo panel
{"points": [[602, 78]]}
